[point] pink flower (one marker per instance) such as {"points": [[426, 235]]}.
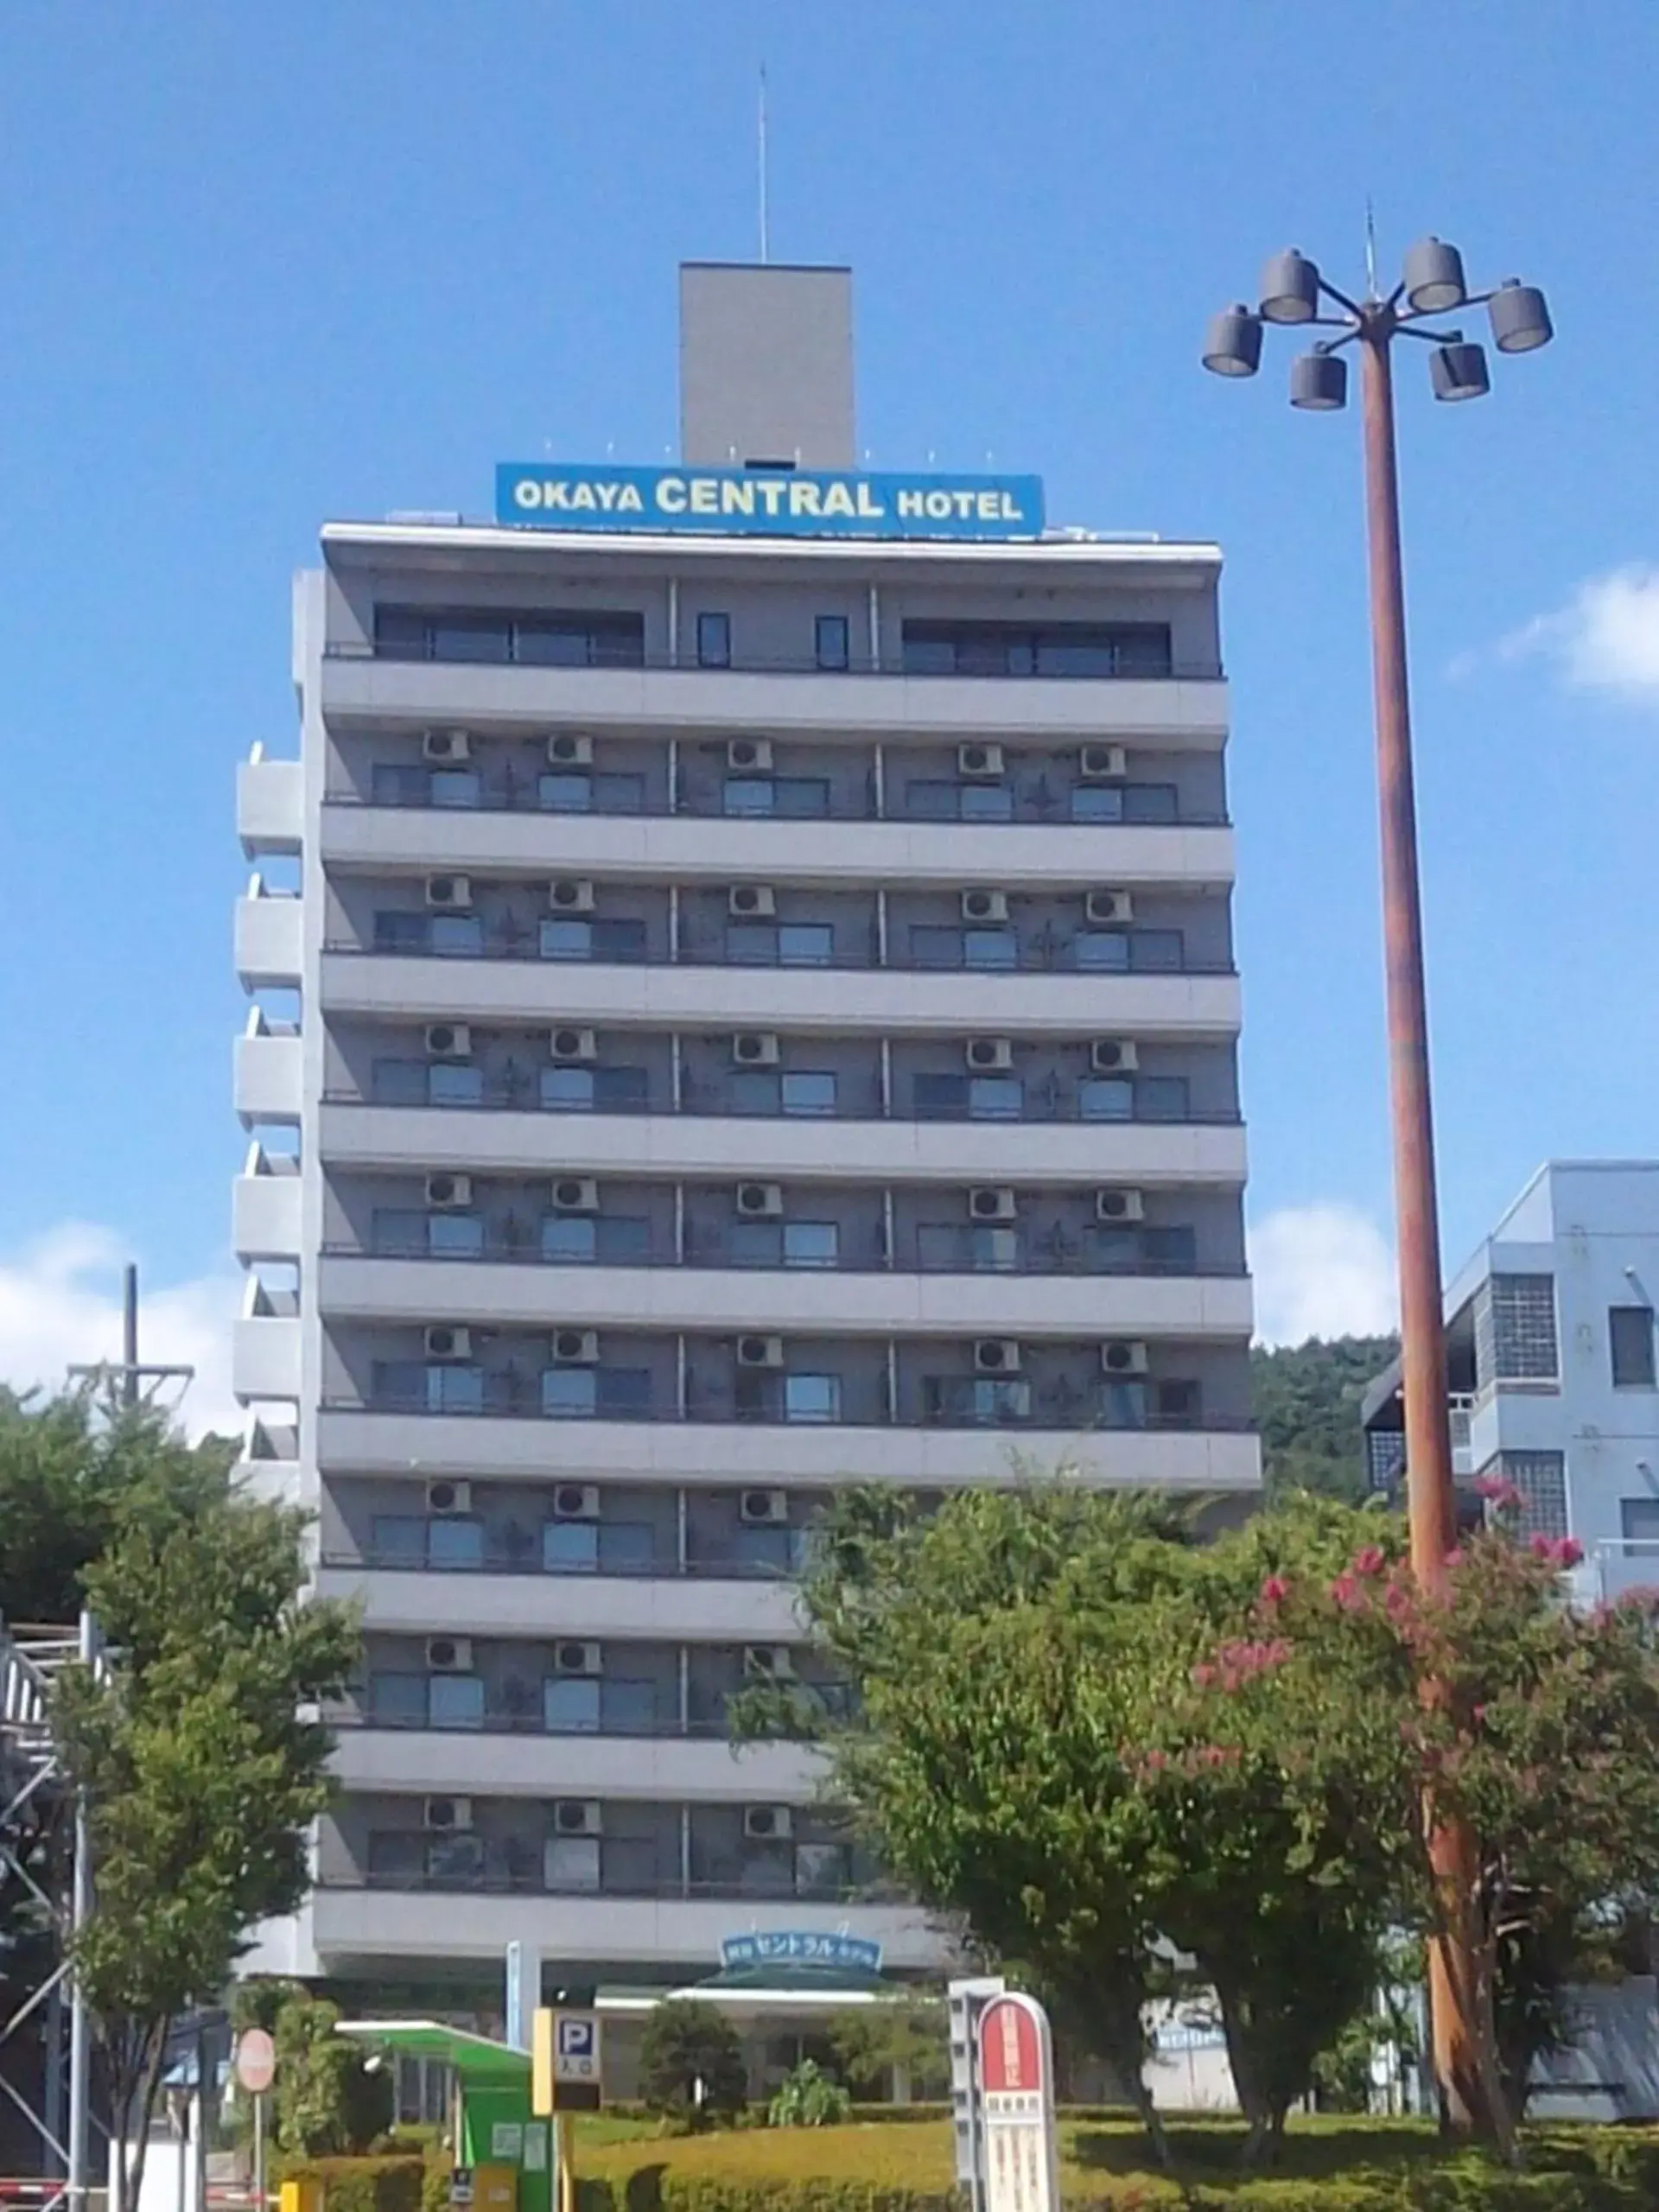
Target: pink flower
{"points": [[1370, 1561], [1155, 1761], [1569, 1552], [1398, 1601], [1275, 1590], [1498, 1490], [1346, 1594], [1454, 1557], [1478, 1714], [1540, 1546], [1203, 1677]]}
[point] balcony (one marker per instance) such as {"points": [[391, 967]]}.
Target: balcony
{"points": [[265, 1357], [495, 1135], [270, 939], [692, 849], [490, 1762], [868, 1301], [1187, 1003], [269, 805], [349, 1922], [700, 1605], [353, 1437], [266, 1213], [1188, 708], [267, 1081]]}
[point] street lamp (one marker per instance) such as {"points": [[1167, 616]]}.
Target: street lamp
{"points": [[1293, 291]]}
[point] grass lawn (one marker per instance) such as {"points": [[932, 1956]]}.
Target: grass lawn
{"points": [[1105, 2163]]}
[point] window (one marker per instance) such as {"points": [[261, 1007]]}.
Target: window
{"points": [[624, 1239], [398, 1540], [624, 1392], [618, 938], [811, 1397], [746, 795], [979, 1401], [570, 1548], [586, 1091], [397, 1230], [627, 1547], [713, 641], [1151, 802], [454, 1390], [456, 1541], [1156, 951], [563, 939], [570, 1393], [1639, 1520], [397, 1700], [1122, 1404], [764, 1551], [1106, 1099], [398, 786], [579, 791], [756, 1243], [933, 945], [396, 932], [939, 1098], [1058, 649], [1630, 1337], [1172, 1251], [571, 1862], [456, 937], [628, 1708], [454, 1235], [1514, 1330], [811, 1243], [1098, 950], [564, 793], [580, 640], [1097, 802], [1179, 1404], [830, 641], [453, 1082], [989, 949], [1540, 1478], [996, 1098], [455, 1700], [755, 1090], [397, 1859], [985, 802], [455, 1862], [455, 787], [476, 637], [1161, 1098], [993, 1248], [570, 1705], [808, 1091], [806, 944], [569, 1239]]}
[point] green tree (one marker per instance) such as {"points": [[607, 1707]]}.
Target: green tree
{"points": [[201, 1762], [808, 2097], [896, 2035], [1306, 1399], [691, 2068], [326, 2099]]}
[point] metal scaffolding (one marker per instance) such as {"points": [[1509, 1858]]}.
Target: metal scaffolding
{"points": [[45, 1863]]}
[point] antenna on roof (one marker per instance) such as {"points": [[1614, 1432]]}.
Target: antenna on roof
{"points": [[1371, 249], [761, 138]]}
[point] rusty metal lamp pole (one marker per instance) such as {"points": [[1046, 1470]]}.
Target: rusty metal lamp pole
{"points": [[1293, 291]]}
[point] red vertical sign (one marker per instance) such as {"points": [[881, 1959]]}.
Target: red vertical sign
{"points": [[1016, 2100]]}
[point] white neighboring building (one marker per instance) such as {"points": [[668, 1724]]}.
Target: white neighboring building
{"points": [[1551, 1356], [733, 1014]]}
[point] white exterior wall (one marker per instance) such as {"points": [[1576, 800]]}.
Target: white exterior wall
{"points": [[286, 808]]}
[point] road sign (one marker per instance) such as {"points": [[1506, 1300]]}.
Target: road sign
{"points": [[565, 2061], [1016, 2103], [255, 2061], [967, 1999]]}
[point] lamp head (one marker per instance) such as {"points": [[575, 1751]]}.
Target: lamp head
{"points": [[1458, 370], [1232, 344], [1520, 320], [1318, 382], [1290, 288], [1434, 276]]}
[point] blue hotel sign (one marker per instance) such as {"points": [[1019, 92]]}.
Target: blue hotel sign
{"points": [[801, 1947], [766, 503]]}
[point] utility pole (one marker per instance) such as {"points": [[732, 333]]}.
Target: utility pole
{"points": [[128, 1382]]}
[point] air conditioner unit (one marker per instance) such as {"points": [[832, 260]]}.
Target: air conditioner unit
{"points": [[449, 1655], [575, 1502], [760, 1201], [448, 1498], [447, 1191], [575, 1194], [571, 894], [996, 1355], [754, 1048], [750, 756], [575, 1658], [987, 1055], [759, 1507], [566, 749], [448, 891], [771, 1661], [573, 1045], [985, 906], [1104, 764], [575, 1347], [444, 1341], [1113, 1056], [767, 1823], [1109, 906], [992, 1202], [578, 1816], [1119, 1205], [982, 763], [752, 901], [759, 1352], [1122, 1358], [446, 745], [448, 1816], [448, 1040]]}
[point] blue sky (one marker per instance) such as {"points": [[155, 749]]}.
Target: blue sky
{"points": [[263, 266]]}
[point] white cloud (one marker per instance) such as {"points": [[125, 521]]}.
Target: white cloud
{"points": [[1606, 639], [60, 1306], [1321, 1271]]}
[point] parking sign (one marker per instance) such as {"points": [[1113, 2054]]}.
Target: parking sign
{"points": [[575, 2050], [565, 2069]]}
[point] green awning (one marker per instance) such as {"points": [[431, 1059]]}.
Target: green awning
{"points": [[478, 2060]]}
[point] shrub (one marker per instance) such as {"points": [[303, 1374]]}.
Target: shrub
{"points": [[393, 2184], [808, 2098], [691, 2069]]}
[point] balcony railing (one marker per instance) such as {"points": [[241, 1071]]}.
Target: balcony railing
{"points": [[1074, 955], [520, 1093], [725, 1568], [497, 1881], [1130, 669], [501, 1398], [1084, 1257], [1084, 806]]}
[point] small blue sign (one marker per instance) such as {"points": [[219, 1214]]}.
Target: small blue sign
{"points": [[766, 503], [799, 1947], [577, 2035]]}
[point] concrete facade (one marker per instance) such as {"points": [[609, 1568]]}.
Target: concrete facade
{"points": [[693, 1063]]}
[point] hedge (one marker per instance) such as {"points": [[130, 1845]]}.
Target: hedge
{"points": [[395, 2182]]}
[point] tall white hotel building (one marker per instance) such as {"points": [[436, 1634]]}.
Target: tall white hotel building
{"points": [[737, 1007]]}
